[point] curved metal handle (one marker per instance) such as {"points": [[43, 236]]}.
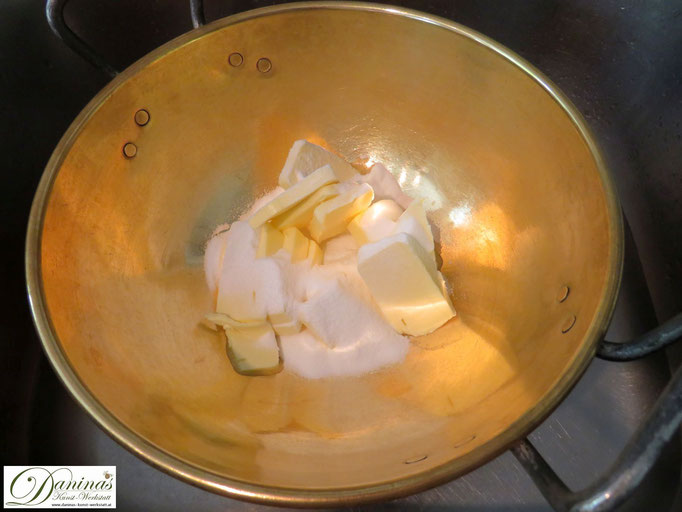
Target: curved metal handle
{"points": [[652, 341], [54, 10], [629, 470], [196, 8], [657, 338]]}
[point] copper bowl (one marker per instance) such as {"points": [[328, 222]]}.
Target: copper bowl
{"points": [[527, 220]]}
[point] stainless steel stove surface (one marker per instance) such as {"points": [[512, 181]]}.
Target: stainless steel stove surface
{"points": [[619, 61]]}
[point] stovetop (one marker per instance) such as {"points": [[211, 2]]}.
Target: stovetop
{"points": [[619, 61]]}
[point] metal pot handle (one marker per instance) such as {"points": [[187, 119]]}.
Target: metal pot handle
{"points": [[654, 340], [54, 10], [641, 452], [196, 8]]}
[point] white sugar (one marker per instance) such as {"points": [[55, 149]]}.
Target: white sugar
{"points": [[345, 332]]}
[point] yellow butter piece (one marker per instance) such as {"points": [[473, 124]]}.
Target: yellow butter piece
{"points": [[331, 218], [253, 350], [315, 255], [305, 157], [280, 318], [270, 241], [402, 277], [375, 223], [413, 221], [300, 215], [284, 324], [296, 244], [294, 195], [227, 321]]}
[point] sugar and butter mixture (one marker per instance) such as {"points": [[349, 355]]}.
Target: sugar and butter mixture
{"points": [[326, 275]]}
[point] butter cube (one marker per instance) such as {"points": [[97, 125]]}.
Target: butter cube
{"points": [[315, 255], [331, 218], [253, 350], [375, 223], [227, 321], [284, 324], [270, 241], [385, 185], [296, 244], [305, 157], [300, 215], [403, 280], [294, 195], [413, 221]]}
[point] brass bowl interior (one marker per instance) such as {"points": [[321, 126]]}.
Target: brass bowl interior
{"points": [[517, 192]]}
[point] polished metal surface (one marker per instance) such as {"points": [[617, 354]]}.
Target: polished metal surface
{"points": [[581, 440], [624, 77], [515, 187]]}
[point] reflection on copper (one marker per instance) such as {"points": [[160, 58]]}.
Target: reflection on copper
{"points": [[460, 215], [484, 236], [420, 186]]}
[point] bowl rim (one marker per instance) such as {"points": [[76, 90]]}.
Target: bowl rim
{"points": [[270, 495]]}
